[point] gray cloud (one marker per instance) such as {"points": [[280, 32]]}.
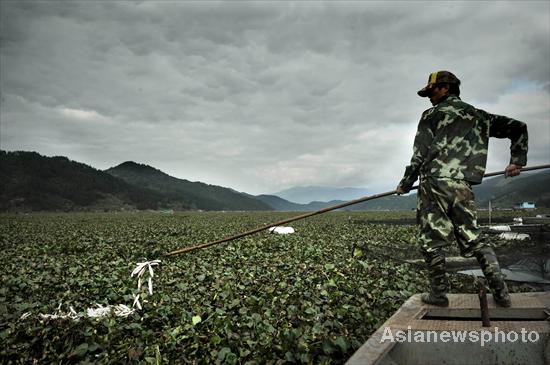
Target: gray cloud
{"points": [[260, 96]]}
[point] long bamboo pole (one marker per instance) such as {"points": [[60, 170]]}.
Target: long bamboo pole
{"points": [[321, 211]]}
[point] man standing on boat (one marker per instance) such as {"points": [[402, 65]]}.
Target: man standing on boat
{"points": [[449, 156]]}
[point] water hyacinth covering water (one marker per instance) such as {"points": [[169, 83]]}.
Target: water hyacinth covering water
{"points": [[313, 296]]}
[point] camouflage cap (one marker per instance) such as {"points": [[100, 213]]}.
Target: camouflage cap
{"points": [[438, 78]]}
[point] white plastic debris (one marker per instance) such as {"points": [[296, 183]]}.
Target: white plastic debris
{"points": [[519, 221], [514, 236], [122, 310], [501, 228], [119, 310], [59, 314], [136, 302], [98, 312], [142, 268], [281, 230]]}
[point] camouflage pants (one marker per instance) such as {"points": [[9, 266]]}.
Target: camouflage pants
{"points": [[446, 212]]}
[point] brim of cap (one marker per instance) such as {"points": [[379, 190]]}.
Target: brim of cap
{"points": [[424, 92]]}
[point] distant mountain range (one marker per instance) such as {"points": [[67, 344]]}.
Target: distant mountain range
{"points": [[308, 194], [503, 193], [32, 182], [284, 205]]}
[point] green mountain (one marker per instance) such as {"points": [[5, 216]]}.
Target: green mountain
{"points": [[32, 182], [507, 193], [197, 195]]}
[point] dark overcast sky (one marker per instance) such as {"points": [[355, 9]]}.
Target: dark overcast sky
{"points": [[262, 96]]}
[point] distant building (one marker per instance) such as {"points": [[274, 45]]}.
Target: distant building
{"points": [[526, 205]]}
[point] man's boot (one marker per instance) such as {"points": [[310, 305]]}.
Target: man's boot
{"points": [[491, 269], [438, 280]]}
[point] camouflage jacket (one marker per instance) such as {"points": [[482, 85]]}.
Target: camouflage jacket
{"points": [[453, 138]]}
